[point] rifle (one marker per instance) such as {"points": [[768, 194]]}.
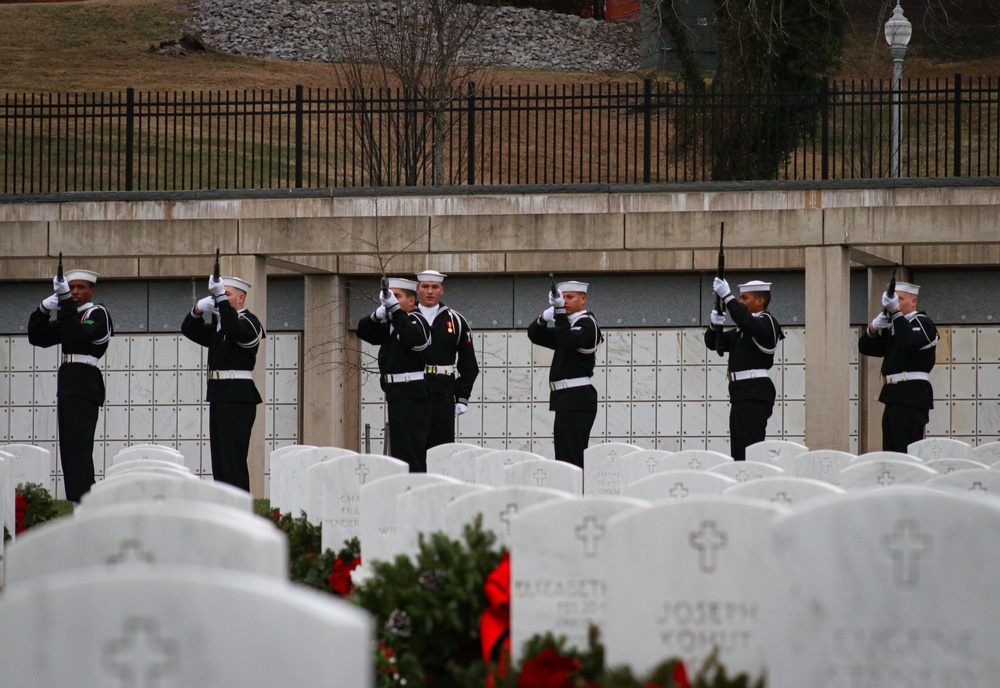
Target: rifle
{"points": [[552, 289], [59, 268], [217, 270], [721, 273], [385, 286], [891, 289]]}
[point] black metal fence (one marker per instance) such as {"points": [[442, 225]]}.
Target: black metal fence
{"points": [[629, 132]]}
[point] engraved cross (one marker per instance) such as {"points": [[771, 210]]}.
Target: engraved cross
{"points": [[652, 462], [885, 478], [978, 489], [825, 464], [539, 477], [742, 476], [782, 498], [130, 551], [906, 546], [590, 531], [694, 463], [141, 657], [362, 472], [708, 540], [679, 491], [506, 515]]}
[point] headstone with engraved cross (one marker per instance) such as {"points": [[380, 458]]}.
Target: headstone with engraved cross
{"points": [[988, 453], [784, 490], [695, 460], [951, 465], [25, 463], [972, 483], [777, 452], [679, 485], [939, 448], [602, 468], [439, 457], [742, 471], [194, 533], [170, 626], [490, 466], [688, 578], [422, 511], [558, 475], [143, 487], [339, 485], [637, 465], [870, 475], [460, 465], [498, 507], [558, 580], [885, 589], [820, 464]]}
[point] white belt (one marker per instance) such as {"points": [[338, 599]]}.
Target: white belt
{"points": [[905, 377], [439, 369], [572, 382], [747, 374], [230, 375], [403, 377], [80, 358]]}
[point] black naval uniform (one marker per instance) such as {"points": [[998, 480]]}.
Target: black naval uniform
{"points": [[450, 370], [751, 345], [402, 340], [906, 347], [232, 338], [84, 333], [575, 340]]}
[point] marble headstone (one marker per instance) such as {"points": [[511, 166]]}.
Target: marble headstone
{"points": [[742, 471], [422, 510], [462, 465], [639, 464], [939, 448], [558, 475], [439, 457], [379, 523], [490, 465], [147, 452], [696, 460], [31, 464], [302, 480], [943, 466], [498, 506], [784, 490], [821, 464], [602, 468], [153, 488], [141, 464], [679, 485], [276, 460], [988, 453], [870, 475], [886, 456], [972, 483], [778, 452]]}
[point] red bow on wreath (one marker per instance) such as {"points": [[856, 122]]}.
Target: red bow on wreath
{"points": [[547, 670], [340, 577], [494, 624], [20, 511]]}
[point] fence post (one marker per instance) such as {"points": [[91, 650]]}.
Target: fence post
{"points": [[824, 104], [129, 136], [471, 126], [298, 135], [647, 134], [958, 125]]}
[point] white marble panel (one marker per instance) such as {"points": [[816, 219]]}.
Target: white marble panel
{"points": [[963, 418], [939, 423], [497, 443], [668, 347], [777, 379], [189, 422], [852, 344], [793, 417], [668, 383], [988, 418], [22, 421], [119, 353], [794, 382], [793, 347], [853, 386], [141, 356], [519, 384], [4, 389], [540, 383], [164, 423], [494, 420], [601, 355], [519, 420], [470, 424], [670, 444], [493, 382], [693, 419], [46, 423], [716, 383], [545, 448], [45, 388], [668, 420], [600, 381], [719, 443], [523, 444], [694, 382], [644, 348], [165, 352], [116, 387], [495, 349], [643, 419], [4, 353], [190, 356], [542, 357], [618, 346], [285, 350], [190, 387], [22, 388], [4, 424], [644, 383], [963, 381], [268, 392], [988, 344], [963, 344], [141, 387], [371, 391], [48, 359], [140, 424], [116, 422], [718, 419], [286, 421], [519, 350], [988, 380], [619, 383], [853, 419], [22, 354], [600, 429], [619, 419], [693, 349], [286, 386], [265, 414], [165, 386]]}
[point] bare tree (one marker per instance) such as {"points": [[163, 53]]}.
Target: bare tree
{"points": [[425, 52]]}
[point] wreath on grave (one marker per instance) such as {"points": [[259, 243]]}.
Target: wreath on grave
{"points": [[327, 570], [33, 505]]}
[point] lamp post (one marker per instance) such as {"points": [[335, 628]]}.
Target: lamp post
{"points": [[898, 31]]}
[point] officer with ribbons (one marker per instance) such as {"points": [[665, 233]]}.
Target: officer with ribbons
{"points": [[402, 336], [232, 338], [84, 329], [572, 332], [906, 340], [450, 359], [751, 346]]}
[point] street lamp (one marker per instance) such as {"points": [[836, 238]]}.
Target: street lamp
{"points": [[898, 31]]}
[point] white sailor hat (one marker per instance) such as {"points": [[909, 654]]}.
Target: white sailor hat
{"points": [[85, 275], [430, 276], [400, 283], [236, 283], [573, 286], [908, 288], [755, 285]]}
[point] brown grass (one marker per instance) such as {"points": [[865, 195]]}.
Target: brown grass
{"points": [[102, 45]]}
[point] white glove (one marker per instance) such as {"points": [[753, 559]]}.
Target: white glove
{"points": [[721, 287], [216, 286], [388, 301], [380, 313], [890, 302], [558, 301], [60, 286], [549, 314], [51, 303], [460, 408], [718, 320], [881, 322], [207, 305]]}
